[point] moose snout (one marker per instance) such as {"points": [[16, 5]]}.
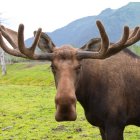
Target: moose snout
{"points": [[65, 109]]}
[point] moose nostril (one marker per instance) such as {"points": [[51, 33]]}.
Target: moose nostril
{"points": [[64, 118], [71, 116], [66, 113]]}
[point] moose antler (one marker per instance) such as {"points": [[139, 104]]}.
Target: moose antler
{"points": [[8, 33], [113, 48], [17, 39], [44, 42], [133, 32], [104, 45], [133, 38]]}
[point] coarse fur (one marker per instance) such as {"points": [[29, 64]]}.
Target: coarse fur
{"points": [[107, 89]]}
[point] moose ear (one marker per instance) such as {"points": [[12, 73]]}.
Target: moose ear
{"points": [[45, 43], [92, 45]]}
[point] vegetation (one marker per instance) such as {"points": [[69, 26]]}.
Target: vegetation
{"points": [[135, 49], [27, 108]]}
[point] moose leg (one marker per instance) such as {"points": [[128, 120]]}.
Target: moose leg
{"points": [[114, 133], [102, 131]]}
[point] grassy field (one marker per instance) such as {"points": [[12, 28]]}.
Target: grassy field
{"points": [[27, 108]]}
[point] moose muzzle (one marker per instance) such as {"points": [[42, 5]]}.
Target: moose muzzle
{"points": [[65, 109]]}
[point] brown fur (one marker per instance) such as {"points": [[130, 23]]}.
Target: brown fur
{"points": [[107, 89]]}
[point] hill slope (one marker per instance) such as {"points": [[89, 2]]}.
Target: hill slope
{"points": [[80, 31]]}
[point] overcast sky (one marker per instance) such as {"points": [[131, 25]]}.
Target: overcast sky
{"points": [[51, 14]]}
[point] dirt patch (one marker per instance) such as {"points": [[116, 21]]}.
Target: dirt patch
{"points": [[78, 129], [59, 128]]}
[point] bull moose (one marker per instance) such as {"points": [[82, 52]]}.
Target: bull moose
{"points": [[104, 79]]}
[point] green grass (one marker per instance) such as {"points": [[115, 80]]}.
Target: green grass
{"points": [[135, 49], [27, 74], [27, 108]]}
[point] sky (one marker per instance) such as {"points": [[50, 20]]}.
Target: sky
{"points": [[51, 14]]}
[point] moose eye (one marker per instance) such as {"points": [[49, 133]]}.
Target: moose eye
{"points": [[53, 67], [78, 67]]}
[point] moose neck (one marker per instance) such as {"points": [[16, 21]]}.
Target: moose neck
{"points": [[89, 77]]}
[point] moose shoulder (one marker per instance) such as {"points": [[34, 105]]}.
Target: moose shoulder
{"points": [[104, 80]]}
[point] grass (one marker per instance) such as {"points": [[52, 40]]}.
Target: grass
{"points": [[27, 74], [27, 108], [135, 49]]}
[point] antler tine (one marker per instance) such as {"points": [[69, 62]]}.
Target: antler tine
{"points": [[27, 51], [8, 50], [16, 40], [103, 49], [123, 40], [134, 32], [7, 37], [133, 39], [104, 39], [116, 47]]}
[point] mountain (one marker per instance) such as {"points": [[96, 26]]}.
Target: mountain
{"points": [[80, 31]]}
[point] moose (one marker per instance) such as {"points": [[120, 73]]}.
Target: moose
{"points": [[103, 76]]}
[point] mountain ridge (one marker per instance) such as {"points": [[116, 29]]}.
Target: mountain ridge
{"points": [[81, 30]]}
